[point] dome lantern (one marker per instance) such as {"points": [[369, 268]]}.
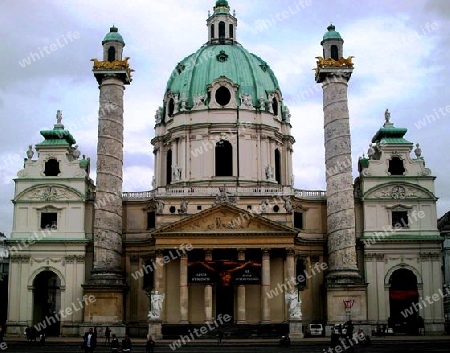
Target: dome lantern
{"points": [[221, 24], [113, 45], [332, 44]]}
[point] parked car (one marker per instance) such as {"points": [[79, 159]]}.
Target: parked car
{"points": [[314, 330]]}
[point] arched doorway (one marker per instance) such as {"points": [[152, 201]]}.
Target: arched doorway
{"points": [[47, 302], [403, 300]]}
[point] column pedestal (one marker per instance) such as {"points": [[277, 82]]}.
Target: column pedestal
{"points": [[336, 295], [295, 330], [155, 329]]}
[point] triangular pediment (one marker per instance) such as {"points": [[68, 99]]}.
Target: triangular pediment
{"points": [[225, 218]]}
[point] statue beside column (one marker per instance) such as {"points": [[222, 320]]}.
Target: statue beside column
{"points": [[154, 316]]}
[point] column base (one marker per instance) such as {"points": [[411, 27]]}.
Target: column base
{"points": [[155, 329], [346, 276], [241, 322]]}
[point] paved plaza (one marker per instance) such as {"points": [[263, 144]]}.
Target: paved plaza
{"points": [[395, 344]]}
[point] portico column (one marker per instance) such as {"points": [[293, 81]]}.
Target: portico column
{"points": [[290, 264], [241, 294], [265, 287], [208, 291], [184, 290], [159, 272], [290, 275]]}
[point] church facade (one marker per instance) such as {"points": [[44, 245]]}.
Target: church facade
{"points": [[223, 232]]}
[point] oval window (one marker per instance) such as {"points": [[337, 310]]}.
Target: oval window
{"points": [[223, 96]]}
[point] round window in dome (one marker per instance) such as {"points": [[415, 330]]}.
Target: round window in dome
{"points": [[223, 96]]}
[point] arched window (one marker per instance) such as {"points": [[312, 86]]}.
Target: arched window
{"points": [[334, 52], [52, 168], [396, 166], [111, 54], [212, 31], [222, 32], [275, 107], [231, 28], [224, 158], [169, 167], [171, 107], [278, 166]]}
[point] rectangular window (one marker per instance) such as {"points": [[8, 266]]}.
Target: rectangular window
{"points": [[49, 220], [148, 281], [298, 220], [151, 220], [301, 274], [400, 219]]}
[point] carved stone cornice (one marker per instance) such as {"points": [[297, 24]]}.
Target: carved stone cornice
{"points": [[429, 256], [314, 258], [74, 258], [290, 252], [374, 256], [47, 260], [20, 258], [134, 258]]}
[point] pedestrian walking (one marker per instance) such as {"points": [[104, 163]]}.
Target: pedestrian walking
{"points": [[150, 346], [220, 337], [107, 336], [115, 344], [89, 341], [126, 344]]}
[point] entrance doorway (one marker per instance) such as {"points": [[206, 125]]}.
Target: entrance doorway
{"points": [[225, 301], [403, 301], [47, 301]]}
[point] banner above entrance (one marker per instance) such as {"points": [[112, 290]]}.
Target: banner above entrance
{"points": [[224, 273]]}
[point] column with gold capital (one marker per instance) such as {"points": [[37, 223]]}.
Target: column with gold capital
{"points": [[107, 282]]}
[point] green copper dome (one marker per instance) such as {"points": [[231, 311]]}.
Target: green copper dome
{"points": [[332, 34], [113, 36], [221, 3], [193, 74]]}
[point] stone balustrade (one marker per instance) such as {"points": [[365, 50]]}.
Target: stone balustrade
{"points": [[213, 191]]}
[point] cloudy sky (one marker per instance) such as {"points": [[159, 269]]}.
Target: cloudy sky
{"points": [[401, 63]]}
